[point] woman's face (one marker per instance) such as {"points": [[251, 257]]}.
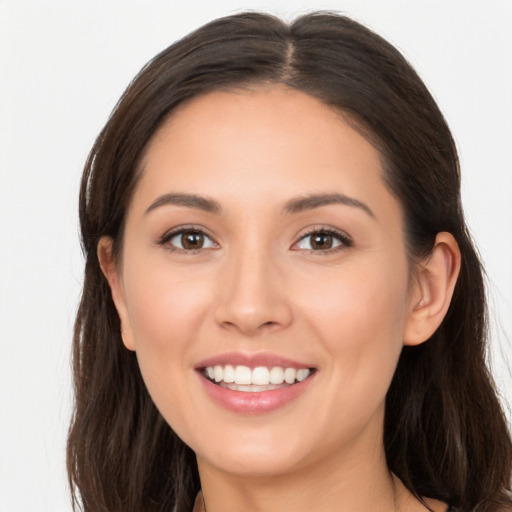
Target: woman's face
{"points": [[262, 245]]}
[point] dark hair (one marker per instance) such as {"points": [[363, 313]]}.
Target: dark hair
{"points": [[445, 434]]}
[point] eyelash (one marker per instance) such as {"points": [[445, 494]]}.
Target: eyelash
{"points": [[340, 236], [167, 237]]}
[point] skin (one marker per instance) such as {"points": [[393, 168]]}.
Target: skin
{"points": [[257, 285]]}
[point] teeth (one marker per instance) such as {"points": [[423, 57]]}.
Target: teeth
{"points": [[276, 375], [229, 374], [252, 389], [261, 378], [301, 374], [243, 375], [289, 375]]}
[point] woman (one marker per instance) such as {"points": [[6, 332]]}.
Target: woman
{"points": [[282, 308]]}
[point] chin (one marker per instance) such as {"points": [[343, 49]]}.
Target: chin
{"points": [[267, 452], [253, 462]]}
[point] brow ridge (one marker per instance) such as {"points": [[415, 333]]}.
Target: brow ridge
{"points": [[313, 201], [188, 200], [295, 205]]}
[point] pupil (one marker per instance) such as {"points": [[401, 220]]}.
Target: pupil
{"points": [[321, 241], [192, 240]]}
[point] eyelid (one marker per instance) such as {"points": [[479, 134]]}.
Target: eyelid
{"points": [[343, 237], [171, 233]]}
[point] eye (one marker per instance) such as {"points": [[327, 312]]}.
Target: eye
{"points": [[322, 240], [188, 239]]}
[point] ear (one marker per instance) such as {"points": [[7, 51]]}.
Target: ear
{"points": [[432, 290], [111, 273]]}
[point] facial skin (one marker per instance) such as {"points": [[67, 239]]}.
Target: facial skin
{"points": [[258, 285]]}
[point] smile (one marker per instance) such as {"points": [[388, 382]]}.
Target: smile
{"points": [[258, 379], [254, 383]]}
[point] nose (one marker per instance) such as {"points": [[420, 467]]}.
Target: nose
{"points": [[252, 295]]}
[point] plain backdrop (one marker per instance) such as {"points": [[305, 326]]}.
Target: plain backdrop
{"points": [[63, 65]]}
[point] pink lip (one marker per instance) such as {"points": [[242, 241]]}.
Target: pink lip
{"points": [[254, 403], [252, 360]]}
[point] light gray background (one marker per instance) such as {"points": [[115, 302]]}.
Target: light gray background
{"points": [[63, 65]]}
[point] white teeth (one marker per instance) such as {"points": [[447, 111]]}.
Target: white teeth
{"points": [[229, 374], [260, 378], [289, 375], [276, 375], [243, 375], [249, 389], [302, 374]]}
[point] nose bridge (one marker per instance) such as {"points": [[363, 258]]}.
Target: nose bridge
{"points": [[251, 293]]}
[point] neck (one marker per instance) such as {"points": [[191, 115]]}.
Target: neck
{"points": [[347, 482]]}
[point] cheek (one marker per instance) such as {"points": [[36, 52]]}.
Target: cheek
{"points": [[359, 316], [358, 298], [165, 308], [164, 300]]}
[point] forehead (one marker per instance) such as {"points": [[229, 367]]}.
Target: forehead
{"points": [[260, 145]]}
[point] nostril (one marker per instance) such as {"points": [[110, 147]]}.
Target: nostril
{"points": [[248, 328], [253, 313]]}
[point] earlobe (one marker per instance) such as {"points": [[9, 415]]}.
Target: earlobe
{"points": [[433, 290], [111, 273]]}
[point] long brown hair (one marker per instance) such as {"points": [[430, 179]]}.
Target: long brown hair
{"points": [[445, 434]]}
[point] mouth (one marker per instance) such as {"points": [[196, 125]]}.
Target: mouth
{"points": [[254, 383], [255, 380]]}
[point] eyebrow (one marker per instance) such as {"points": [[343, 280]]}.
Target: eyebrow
{"points": [[296, 205], [313, 201], [187, 200]]}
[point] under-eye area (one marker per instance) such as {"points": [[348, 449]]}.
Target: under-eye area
{"points": [[260, 378]]}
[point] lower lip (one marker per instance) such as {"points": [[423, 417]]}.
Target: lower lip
{"points": [[247, 402]]}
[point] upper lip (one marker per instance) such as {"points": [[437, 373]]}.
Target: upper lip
{"points": [[252, 360]]}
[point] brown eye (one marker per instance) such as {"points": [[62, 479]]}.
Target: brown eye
{"points": [[189, 240], [192, 240], [321, 241]]}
